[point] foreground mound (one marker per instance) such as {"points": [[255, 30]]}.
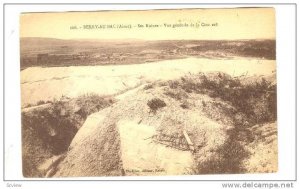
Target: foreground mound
{"points": [[198, 124]]}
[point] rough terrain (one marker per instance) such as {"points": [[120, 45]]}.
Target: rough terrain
{"points": [[145, 113]]}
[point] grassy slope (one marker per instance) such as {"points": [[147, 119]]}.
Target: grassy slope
{"points": [[254, 103]]}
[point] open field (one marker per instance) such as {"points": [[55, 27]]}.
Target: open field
{"points": [[46, 84], [48, 52]]}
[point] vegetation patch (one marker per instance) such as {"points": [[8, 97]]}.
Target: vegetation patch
{"points": [[227, 159], [148, 86], [252, 103], [257, 101], [155, 104], [176, 94]]}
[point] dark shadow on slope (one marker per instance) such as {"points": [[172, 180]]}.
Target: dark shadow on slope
{"points": [[227, 159], [49, 131]]}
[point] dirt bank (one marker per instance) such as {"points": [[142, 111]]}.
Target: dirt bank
{"points": [[47, 130], [142, 133]]}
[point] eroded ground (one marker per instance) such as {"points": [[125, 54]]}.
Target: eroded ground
{"points": [[137, 124]]}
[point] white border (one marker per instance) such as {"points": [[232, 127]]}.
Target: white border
{"points": [[285, 31]]}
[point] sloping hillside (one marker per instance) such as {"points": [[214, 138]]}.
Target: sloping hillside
{"points": [[198, 124]]}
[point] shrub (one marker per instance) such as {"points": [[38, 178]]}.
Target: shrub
{"points": [[177, 95], [173, 84], [148, 86], [190, 86], [91, 103], [184, 105], [40, 102], [155, 104]]}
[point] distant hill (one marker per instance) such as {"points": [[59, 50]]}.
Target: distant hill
{"points": [[62, 52], [41, 41]]}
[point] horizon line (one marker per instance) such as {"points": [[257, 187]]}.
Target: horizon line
{"points": [[138, 39]]}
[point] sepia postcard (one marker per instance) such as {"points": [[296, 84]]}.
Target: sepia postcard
{"points": [[148, 92]]}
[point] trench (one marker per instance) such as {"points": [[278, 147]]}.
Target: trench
{"points": [[47, 131]]}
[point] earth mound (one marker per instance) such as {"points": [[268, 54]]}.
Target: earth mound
{"points": [[198, 124]]}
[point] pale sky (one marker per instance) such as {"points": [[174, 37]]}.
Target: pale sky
{"points": [[238, 23]]}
